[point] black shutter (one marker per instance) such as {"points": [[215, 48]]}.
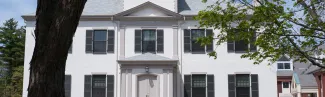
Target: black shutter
{"points": [[89, 41], [110, 41], [160, 41], [231, 86], [231, 46], [254, 79], [67, 86], [70, 49], [210, 86], [138, 41], [110, 85], [209, 48], [187, 40], [187, 86], [252, 46], [87, 86]]}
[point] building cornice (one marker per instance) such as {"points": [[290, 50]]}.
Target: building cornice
{"points": [[113, 17]]}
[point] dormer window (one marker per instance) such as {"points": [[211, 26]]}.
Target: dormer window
{"points": [[284, 66], [284, 63]]}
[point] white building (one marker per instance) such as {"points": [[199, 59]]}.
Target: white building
{"points": [[146, 48]]}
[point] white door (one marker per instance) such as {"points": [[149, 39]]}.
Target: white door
{"points": [[147, 86], [285, 87]]}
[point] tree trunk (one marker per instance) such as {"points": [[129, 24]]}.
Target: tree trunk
{"points": [[56, 23]]}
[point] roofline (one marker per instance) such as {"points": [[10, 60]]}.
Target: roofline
{"points": [[309, 87], [111, 17], [82, 17], [295, 76]]}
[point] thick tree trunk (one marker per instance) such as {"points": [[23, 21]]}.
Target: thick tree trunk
{"points": [[56, 23]]}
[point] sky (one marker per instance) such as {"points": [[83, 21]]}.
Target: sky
{"points": [[16, 8]]}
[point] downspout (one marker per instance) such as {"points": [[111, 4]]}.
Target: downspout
{"points": [[117, 40], [181, 53]]}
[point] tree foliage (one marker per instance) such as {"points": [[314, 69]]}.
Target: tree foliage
{"points": [[12, 40], [283, 27]]}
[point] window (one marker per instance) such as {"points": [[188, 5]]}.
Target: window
{"points": [[199, 85], [285, 84], [70, 49], [100, 41], [284, 66], [243, 85], [67, 86], [241, 46], [149, 41], [312, 95], [190, 40], [99, 86]]}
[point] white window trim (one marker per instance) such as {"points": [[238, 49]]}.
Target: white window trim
{"points": [[290, 62]]}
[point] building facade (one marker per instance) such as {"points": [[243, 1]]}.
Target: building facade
{"points": [[147, 48]]}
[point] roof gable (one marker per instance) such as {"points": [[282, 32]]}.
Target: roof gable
{"points": [[284, 58], [148, 9]]}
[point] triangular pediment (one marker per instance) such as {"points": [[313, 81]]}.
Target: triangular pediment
{"points": [[148, 9]]}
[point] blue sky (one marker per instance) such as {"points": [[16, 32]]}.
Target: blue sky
{"points": [[16, 8]]}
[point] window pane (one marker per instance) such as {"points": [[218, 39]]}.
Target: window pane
{"points": [[242, 92], [197, 33], [198, 85], [100, 35], [149, 41], [285, 84], [241, 46], [242, 80], [198, 81], [287, 65], [280, 66], [99, 46], [98, 86]]}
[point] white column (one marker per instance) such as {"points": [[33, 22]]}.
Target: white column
{"points": [[165, 83], [170, 74], [123, 83], [175, 42], [129, 83], [122, 42]]}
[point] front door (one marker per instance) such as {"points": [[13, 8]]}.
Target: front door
{"points": [[285, 87], [147, 86]]}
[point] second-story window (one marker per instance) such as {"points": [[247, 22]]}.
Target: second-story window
{"points": [[241, 46], [149, 41], [190, 40], [100, 41]]}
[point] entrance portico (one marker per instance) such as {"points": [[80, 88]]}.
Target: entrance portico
{"points": [[147, 75]]}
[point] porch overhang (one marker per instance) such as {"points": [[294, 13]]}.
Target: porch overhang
{"points": [[147, 59], [147, 62]]}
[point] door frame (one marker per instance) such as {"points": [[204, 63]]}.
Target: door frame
{"points": [[145, 74]]}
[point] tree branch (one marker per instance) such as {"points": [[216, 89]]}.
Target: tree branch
{"points": [[303, 54], [305, 26]]}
